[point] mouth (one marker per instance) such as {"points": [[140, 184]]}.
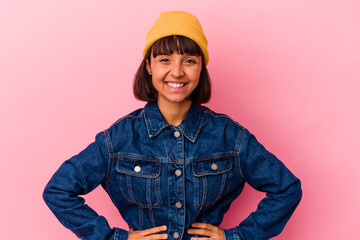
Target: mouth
{"points": [[175, 85]]}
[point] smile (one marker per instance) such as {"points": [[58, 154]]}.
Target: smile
{"points": [[175, 85]]}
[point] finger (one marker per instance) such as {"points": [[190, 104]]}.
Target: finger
{"points": [[155, 237], [204, 226], [151, 231], [200, 231], [138, 236]]}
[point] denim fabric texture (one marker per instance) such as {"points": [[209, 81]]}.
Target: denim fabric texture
{"points": [[158, 174]]}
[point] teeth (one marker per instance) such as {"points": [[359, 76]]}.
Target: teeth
{"points": [[175, 85]]}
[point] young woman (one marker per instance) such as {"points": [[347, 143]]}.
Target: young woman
{"points": [[173, 168]]}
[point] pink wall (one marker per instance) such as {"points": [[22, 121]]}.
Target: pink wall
{"points": [[287, 70]]}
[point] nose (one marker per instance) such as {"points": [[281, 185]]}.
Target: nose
{"points": [[177, 70]]}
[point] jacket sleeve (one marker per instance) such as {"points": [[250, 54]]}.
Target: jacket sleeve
{"points": [[264, 172], [77, 176]]}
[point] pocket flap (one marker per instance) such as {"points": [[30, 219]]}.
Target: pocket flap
{"points": [[138, 168], [212, 166]]}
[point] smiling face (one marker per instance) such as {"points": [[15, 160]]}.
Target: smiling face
{"points": [[174, 76]]}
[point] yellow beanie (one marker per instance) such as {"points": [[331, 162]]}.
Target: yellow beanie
{"points": [[177, 23]]}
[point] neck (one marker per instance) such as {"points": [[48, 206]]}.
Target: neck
{"points": [[174, 113]]}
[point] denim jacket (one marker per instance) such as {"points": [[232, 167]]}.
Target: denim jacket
{"points": [[158, 174]]}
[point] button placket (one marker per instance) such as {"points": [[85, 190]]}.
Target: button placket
{"points": [[177, 208]]}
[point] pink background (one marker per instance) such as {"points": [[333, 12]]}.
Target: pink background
{"points": [[287, 70]]}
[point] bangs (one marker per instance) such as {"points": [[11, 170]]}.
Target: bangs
{"points": [[176, 43]]}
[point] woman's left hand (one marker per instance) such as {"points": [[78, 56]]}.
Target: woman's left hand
{"points": [[207, 230]]}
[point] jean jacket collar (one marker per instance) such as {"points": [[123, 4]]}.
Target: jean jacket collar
{"points": [[190, 126]]}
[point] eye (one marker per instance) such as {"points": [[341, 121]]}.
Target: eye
{"points": [[164, 60], [190, 61]]}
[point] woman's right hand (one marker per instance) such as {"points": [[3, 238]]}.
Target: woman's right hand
{"points": [[148, 234]]}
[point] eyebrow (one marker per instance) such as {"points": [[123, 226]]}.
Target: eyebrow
{"points": [[186, 54]]}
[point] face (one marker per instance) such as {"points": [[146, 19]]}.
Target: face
{"points": [[174, 76]]}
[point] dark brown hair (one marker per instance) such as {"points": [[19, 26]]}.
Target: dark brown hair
{"points": [[143, 87]]}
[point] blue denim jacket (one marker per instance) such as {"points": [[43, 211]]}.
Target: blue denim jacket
{"points": [[158, 174]]}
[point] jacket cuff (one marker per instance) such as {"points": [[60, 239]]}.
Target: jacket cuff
{"points": [[121, 234], [231, 234]]}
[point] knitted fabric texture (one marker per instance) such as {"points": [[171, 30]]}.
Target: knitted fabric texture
{"points": [[177, 23]]}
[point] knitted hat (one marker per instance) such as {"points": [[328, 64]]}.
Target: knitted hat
{"points": [[177, 23]]}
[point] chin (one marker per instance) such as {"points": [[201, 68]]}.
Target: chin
{"points": [[182, 100]]}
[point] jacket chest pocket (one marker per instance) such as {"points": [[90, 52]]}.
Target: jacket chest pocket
{"points": [[212, 180], [139, 181]]}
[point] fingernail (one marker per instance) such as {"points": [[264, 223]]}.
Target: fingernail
{"points": [[164, 227]]}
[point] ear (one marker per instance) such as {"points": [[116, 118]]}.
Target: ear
{"points": [[148, 68]]}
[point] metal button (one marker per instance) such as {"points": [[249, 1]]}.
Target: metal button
{"points": [[137, 169], [178, 172], [178, 204], [176, 235], [177, 134], [214, 166]]}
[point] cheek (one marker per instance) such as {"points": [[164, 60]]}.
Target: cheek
{"points": [[158, 73], [155, 83], [196, 75]]}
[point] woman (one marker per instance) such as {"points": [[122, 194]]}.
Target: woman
{"points": [[173, 168]]}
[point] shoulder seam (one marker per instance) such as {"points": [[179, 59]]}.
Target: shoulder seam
{"points": [[125, 117], [221, 115]]}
